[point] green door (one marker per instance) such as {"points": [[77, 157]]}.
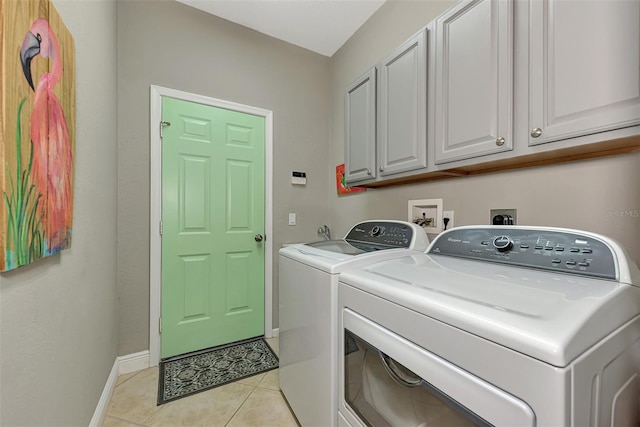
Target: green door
{"points": [[212, 222]]}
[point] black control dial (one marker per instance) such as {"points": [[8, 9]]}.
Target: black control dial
{"points": [[502, 243], [376, 231]]}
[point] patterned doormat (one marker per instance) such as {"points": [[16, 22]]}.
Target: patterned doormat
{"points": [[187, 374]]}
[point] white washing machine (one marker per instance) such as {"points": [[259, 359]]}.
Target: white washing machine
{"points": [[505, 326], [308, 326]]}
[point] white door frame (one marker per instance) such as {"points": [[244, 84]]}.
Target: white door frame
{"points": [[155, 215]]}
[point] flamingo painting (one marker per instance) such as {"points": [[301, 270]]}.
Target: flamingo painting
{"points": [[52, 152]]}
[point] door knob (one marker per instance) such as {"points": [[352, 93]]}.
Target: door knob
{"points": [[259, 238]]}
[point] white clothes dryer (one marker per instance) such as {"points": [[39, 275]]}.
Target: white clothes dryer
{"points": [[513, 326], [308, 322]]}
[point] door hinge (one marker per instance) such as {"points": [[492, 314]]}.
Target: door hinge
{"points": [[159, 325], [160, 229], [162, 125]]}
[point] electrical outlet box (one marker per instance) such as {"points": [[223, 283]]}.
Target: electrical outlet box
{"points": [[503, 217]]}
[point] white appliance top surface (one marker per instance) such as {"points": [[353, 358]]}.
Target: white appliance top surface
{"points": [[333, 256], [550, 316], [336, 262]]}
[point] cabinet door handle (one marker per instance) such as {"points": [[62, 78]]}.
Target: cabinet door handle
{"points": [[500, 142], [368, 171], [536, 132], [381, 169]]}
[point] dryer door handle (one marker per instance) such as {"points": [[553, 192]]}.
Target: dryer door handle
{"points": [[402, 376]]}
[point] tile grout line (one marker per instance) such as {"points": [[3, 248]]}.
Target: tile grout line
{"points": [[127, 380], [126, 421], [241, 405], [159, 408]]}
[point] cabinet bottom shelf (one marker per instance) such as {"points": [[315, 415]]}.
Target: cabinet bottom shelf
{"points": [[629, 144]]}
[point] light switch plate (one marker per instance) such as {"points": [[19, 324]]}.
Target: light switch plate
{"points": [[292, 218]]}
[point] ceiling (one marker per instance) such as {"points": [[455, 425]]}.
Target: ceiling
{"points": [[322, 26]]}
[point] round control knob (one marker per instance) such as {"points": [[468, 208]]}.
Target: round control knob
{"points": [[375, 231], [502, 243]]}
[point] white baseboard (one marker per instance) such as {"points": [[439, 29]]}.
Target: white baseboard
{"points": [[103, 404], [133, 362], [275, 333], [122, 365]]}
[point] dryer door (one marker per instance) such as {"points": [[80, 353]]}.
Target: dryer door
{"points": [[389, 381]]}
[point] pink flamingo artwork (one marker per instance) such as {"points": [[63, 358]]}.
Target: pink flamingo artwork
{"points": [[52, 150]]}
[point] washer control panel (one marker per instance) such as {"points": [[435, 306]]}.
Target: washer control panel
{"points": [[554, 250], [386, 234]]}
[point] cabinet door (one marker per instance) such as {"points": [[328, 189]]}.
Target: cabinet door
{"points": [[474, 80], [584, 68], [402, 143], [360, 128]]}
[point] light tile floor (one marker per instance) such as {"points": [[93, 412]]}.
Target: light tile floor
{"points": [[253, 401]]}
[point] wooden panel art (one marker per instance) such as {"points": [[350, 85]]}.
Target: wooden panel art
{"points": [[37, 132]]}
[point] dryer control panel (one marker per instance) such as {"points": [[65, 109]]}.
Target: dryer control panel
{"points": [[545, 249]]}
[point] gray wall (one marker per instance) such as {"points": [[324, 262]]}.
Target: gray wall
{"points": [[168, 44], [58, 316], [196, 52], [586, 195]]}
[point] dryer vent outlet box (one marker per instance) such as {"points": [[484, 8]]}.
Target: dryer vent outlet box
{"points": [[502, 217]]}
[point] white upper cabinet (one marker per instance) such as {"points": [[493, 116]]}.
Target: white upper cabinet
{"points": [[474, 80], [360, 128], [402, 119], [584, 68], [495, 85]]}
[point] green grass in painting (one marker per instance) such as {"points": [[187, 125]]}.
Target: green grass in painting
{"points": [[25, 235]]}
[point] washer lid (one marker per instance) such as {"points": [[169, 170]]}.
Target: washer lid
{"points": [[335, 262], [550, 316], [338, 246]]}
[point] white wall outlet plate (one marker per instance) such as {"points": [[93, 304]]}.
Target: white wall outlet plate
{"points": [[427, 213]]}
